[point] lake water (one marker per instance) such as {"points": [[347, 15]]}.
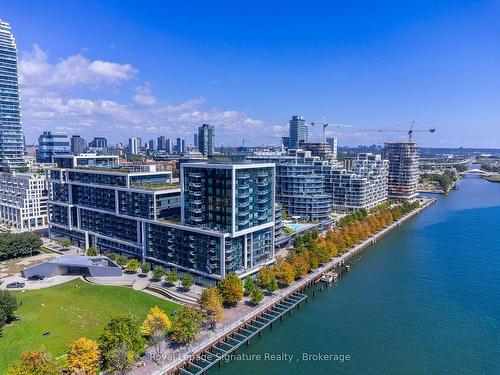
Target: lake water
{"points": [[424, 300]]}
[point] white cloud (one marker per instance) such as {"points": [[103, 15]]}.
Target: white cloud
{"points": [[36, 71], [52, 100], [144, 95]]}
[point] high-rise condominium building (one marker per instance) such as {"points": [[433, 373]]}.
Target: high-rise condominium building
{"points": [[51, 144], [299, 131], [134, 145], [11, 132], [206, 135], [78, 145], [219, 220], [195, 140], [403, 169], [169, 147]]}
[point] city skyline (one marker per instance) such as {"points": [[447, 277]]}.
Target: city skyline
{"points": [[369, 68]]}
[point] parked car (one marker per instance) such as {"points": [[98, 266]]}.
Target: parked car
{"points": [[36, 277], [15, 284]]}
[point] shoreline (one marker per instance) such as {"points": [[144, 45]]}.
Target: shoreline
{"points": [[300, 285]]}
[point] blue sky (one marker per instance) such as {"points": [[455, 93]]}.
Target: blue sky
{"points": [[123, 68]]}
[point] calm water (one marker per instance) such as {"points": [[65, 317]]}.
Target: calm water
{"points": [[424, 300]]}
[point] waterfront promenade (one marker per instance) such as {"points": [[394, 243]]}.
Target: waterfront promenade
{"points": [[178, 357]]}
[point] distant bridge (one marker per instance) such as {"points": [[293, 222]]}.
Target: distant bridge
{"points": [[477, 171]]}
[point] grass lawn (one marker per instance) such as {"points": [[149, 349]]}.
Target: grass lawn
{"points": [[71, 310]]}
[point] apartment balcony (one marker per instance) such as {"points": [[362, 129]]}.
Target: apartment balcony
{"points": [[263, 192], [243, 213], [263, 201], [262, 174], [245, 176], [196, 210], [243, 222], [244, 204], [244, 186], [195, 193], [195, 175], [195, 219], [195, 184], [262, 184]]}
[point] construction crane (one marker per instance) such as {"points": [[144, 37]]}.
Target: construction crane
{"points": [[325, 125], [243, 141], [409, 131]]}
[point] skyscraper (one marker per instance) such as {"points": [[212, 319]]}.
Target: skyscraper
{"points": [[298, 131], [403, 169], [134, 145], [181, 145], [206, 135], [169, 147], [195, 140], [161, 144], [78, 145], [11, 132]]}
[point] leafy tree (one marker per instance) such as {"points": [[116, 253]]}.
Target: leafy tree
{"points": [[121, 260], [187, 281], [265, 277], [8, 304], [121, 359], [145, 268], [15, 245], [39, 362], [132, 265], [118, 331], [23, 168], [186, 325], [231, 289], [83, 357], [211, 301], [257, 296], [158, 273], [157, 320], [249, 285], [171, 277], [66, 243], [285, 273], [273, 287], [92, 251]]}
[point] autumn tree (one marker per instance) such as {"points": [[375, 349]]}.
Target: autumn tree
{"points": [[265, 277], [231, 289], [211, 301], [157, 320], [132, 265], [285, 273], [83, 357], [39, 362], [155, 327], [299, 264], [186, 325]]}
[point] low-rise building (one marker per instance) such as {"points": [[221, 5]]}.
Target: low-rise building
{"points": [[23, 201]]}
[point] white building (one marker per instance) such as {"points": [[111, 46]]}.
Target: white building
{"points": [[363, 186], [23, 201], [134, 145], [333, 143]]}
